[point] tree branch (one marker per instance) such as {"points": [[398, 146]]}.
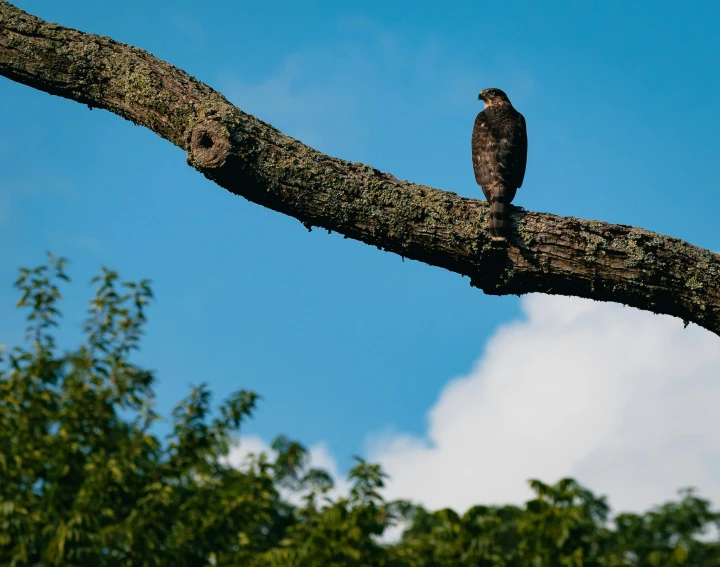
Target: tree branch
{"points": [[546, 253]]}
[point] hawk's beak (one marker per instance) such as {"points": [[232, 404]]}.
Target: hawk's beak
{"points": [[480, 96]]}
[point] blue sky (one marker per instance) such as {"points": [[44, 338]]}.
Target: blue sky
{"points": [[347, 344]]}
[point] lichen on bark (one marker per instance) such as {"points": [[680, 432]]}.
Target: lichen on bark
{"points": [[545, 253]]}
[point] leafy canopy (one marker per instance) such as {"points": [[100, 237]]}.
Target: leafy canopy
{"points": [[86, 480]]}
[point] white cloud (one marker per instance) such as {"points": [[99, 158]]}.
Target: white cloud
{"points": [[622, 400], [319, 457], [247, 445]]}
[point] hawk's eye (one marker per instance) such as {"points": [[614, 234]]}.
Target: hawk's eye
{"points": [[492, 92]]}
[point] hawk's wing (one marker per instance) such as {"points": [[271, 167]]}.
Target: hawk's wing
{"points": [[517, 155], [499, 151], [483, 154]]}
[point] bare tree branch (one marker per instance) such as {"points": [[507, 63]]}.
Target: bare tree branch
{"points": [[546, 253]]}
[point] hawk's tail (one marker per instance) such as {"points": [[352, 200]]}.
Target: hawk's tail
{"points": [[499, 222]]}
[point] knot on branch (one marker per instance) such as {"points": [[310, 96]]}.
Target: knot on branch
{"points": [[209, 145]]}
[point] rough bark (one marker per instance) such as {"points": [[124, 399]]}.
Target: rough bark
{"points": [[546, 253]]}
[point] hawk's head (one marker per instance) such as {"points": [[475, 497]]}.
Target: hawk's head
{"points": [[493, 96]]}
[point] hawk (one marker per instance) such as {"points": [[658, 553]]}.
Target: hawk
{"points": [[499, 153]]}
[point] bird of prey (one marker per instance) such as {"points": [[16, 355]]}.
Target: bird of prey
{"points": [[499, 153]]}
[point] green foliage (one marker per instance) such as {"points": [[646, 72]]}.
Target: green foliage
{"points": [[85, 480]]}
